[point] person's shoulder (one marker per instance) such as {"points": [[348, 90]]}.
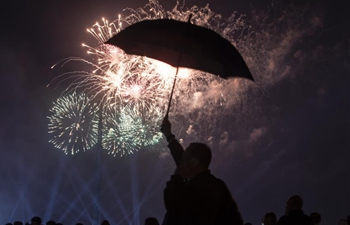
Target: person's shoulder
{"points": [[217, 181], [304, 216], [210, 180], [307, 219], [283, 220], [206, 175], [220, 182], [284, 217]]}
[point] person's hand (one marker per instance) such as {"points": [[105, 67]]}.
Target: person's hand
{"points": [[166, 127]]}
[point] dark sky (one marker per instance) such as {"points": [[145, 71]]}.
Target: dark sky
{"points": [[292, 136]]}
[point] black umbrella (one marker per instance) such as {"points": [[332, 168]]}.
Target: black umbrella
{"points": [[182, 44]]}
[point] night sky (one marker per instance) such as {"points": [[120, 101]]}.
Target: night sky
{"points": [[288, 135]]}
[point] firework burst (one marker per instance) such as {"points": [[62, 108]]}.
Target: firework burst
{"points": [[73, 123], [125, 132]]}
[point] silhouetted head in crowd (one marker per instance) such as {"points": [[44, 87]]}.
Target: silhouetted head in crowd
{"points": [[315, 218], [196, 159], [50, 222], [294, 203], [18, 223], [79, 224], [8, 223], [36, 220], [343, 222], [151, 221], [59, 224], [248, 223], [105, 222], [199, 151], [270, 219]]}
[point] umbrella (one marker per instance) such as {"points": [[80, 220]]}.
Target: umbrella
{"points": [[182, 44]]}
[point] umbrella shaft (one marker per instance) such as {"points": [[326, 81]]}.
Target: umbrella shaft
{"points": [[172, 91]]}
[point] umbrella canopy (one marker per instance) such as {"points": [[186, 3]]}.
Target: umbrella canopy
{"points": [[182, 44]]}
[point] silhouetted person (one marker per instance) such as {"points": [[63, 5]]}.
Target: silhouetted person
{"points": [[315, 218], [18, 223], [8, 223], [36, 220], [270, 219], [151, 221], [294, 213], [248, 223], [50, 222], [348, 219], [343, 222], [193, 195], [79, 224]]}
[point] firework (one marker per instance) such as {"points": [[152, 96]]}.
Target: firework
{"points": [[125, 132], [73, 123], [142, 86], [135, 81]]}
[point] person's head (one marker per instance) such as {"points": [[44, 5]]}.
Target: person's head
{"points": [[36, 220], [79, 224], [315, 217], [18, 223], [294, 203], [343, 222], [50, 222], [270, 219], [197, 154], [248, 223], [151, 221]]}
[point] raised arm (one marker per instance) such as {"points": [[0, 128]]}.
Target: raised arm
{"points": [[175, 147]]}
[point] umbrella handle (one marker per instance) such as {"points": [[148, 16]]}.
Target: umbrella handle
{"points": [[171, 94]]}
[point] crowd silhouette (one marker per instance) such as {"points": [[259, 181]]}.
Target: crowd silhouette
{"points": [[269, 219], [193, 196]]}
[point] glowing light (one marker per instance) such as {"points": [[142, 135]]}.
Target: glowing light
{"points": [[184, 73], [164, 69], [135, 91]]}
